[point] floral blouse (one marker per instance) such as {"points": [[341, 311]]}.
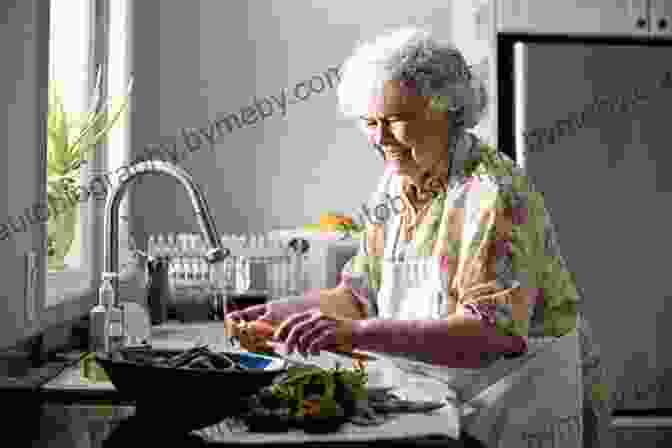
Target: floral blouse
{"points": [[499, 253]]}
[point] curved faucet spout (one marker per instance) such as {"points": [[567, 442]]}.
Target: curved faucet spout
{"points": [[215, 253]]}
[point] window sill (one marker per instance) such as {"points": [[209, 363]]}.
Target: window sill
{"points": [[69, 298], [63, 286], [69, 285]]}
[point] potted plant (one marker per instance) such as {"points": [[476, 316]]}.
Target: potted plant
{"points": [[68, 144]]}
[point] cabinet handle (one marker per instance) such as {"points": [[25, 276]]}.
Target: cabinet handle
{"points": [[662, 23], [641, 22]]}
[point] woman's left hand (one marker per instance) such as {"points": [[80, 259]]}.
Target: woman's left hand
{"points": [[312, 331]]}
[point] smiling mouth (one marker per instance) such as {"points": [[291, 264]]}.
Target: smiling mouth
{"points": [[398, 155]]}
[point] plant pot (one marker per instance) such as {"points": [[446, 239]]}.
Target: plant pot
{"points": [[61, 233]]}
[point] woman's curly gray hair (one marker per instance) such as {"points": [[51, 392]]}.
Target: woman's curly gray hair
{"points": [[437, 69]]}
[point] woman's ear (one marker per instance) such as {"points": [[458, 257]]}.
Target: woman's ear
{"points": [[432, 113], [457, 118]]}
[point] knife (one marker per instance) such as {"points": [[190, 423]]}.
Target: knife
{"points": [[393, 404], [355, 355]]}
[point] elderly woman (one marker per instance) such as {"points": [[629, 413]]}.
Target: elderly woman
{"points": [[464, 267]]}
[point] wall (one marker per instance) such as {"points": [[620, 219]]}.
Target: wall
{"points": [[20, 124], [194, 61], [473, 33]]}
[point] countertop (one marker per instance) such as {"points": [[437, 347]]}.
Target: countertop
{"points": [[41, 416]]}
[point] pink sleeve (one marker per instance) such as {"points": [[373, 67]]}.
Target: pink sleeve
{"points": [[427, 340], [282, 308]]}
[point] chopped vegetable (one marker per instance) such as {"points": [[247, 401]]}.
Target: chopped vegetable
{"points": [[263, 329], [253, 336], [317, 400], [293, 387]]}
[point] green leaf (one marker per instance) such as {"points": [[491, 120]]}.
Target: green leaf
{"points": [[97, 119], [61, 140], [328, 407], [65, 153]]}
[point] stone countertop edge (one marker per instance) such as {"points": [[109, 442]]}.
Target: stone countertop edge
{"points": [[37, 376]]}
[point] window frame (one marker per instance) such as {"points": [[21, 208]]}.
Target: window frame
{"points": [[66, 287]]}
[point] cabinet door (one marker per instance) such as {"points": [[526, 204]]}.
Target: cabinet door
{"points": [[614, 17], [661, 18]]}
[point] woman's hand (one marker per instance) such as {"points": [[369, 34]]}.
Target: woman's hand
{"points": [[253, 336], [313, 330], [248, 314], [242, 325]]}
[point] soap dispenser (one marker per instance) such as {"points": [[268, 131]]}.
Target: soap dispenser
{"points": [[97, 317], [106, 319], [98, 331]]}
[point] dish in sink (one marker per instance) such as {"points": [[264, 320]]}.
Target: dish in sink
{"points": [[189, 389]]}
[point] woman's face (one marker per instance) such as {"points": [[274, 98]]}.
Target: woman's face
{"points": [[408, 131]]}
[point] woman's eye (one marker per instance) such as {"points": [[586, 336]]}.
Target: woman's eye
{"points": [[387, 122]]}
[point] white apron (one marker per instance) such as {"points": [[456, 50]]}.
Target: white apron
{"points": [[534, 400]]}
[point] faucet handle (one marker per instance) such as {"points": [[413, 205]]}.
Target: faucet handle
{"points": [[216, 255], [299, 245]]}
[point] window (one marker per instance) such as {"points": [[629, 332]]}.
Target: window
{"points": [[118, 77], [86, 37]]}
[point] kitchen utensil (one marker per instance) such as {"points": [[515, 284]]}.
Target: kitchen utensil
{"points": [[392, 404]]}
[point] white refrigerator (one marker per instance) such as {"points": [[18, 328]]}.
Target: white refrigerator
{"points": [[590, 118]]}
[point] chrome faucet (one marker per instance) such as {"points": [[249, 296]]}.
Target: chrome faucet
{"points": [[215, 254]]}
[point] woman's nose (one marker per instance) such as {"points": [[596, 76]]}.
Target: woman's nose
{"points": [[379, 134], [376, 136]]}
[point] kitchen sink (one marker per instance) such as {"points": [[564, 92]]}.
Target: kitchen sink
{"points": [[14, 363]]}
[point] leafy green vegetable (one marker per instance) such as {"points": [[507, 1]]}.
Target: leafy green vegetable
{"points": [[292, 388]]}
